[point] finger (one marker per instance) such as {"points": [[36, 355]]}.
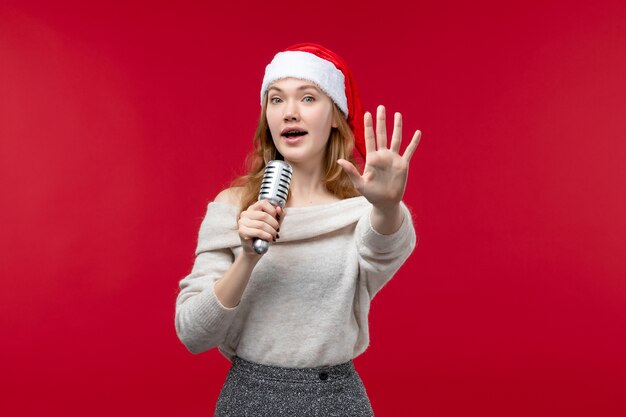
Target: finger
{"points": [[267, 219], [381, 128], [252, 233], [370, 140], [352, 172], [396, 137], [280, 214], [260, 228], [265, 206], [408, 152], [258, 215]]}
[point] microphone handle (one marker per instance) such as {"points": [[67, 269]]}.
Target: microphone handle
{"points": [[261, 246]]}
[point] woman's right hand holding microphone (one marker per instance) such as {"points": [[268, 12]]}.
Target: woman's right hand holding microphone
{"points": [[262, 221]]}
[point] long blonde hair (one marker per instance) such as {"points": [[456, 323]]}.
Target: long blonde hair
{"points": [[340, 145]]}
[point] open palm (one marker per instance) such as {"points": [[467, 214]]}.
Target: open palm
{"points": [[386, 171]]}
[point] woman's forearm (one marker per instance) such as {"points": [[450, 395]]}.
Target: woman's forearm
{"points": [[229, 289]]}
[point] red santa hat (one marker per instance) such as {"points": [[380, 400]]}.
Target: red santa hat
{"points": [[326, 69]]}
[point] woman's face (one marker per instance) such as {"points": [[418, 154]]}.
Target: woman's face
{"points": [[300, 107]]}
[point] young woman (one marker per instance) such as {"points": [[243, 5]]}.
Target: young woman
{"points": [[292, 320]]}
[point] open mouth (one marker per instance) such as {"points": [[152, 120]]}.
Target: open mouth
{"points": [[294, 134]]}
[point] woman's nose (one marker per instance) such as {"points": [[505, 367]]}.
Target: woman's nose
{"points": [[291, 110]]}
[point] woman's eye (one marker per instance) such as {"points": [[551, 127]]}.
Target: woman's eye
{"points": [[309, 97], [274, 100]]}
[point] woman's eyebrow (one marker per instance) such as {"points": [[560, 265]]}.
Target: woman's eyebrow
{"points": [[302, 87]]}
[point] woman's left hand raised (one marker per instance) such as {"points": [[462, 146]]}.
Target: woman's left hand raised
{"points": [[385, 174]]}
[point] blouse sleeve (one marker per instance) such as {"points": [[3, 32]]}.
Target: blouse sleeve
{"points": [[380, 256], [201, 320]]}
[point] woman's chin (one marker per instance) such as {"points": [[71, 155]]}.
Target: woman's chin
{"points": [[299, 158], [294, 158]]}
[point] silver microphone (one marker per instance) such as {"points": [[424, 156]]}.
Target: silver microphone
{"points": [[274, 188]]}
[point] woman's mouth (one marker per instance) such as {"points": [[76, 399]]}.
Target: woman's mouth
{"points": [[293, 136]]}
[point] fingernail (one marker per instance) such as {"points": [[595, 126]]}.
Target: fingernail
{"points": [[278, 230], [277, 236]]}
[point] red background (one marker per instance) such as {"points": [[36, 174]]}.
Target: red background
{"points": [[120, 122]]}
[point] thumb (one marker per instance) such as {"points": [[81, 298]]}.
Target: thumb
{"points": [[352, 172]]}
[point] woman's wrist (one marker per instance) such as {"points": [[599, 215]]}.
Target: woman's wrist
{"points": [[248, 259], [386, 220]]}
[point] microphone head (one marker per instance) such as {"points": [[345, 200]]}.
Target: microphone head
{"points": [[276, 181]]}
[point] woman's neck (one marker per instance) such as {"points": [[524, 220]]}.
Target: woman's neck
{"points": [[307, 187]]}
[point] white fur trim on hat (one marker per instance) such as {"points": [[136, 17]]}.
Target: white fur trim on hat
{"points": [[310, 67]]}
